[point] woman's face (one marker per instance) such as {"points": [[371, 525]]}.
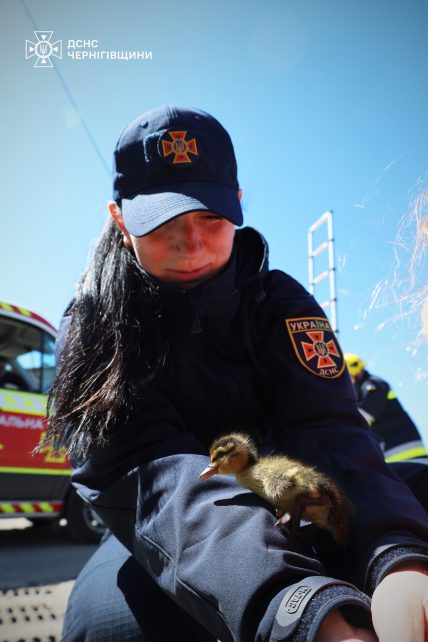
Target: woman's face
{"points": [[187, 250]]}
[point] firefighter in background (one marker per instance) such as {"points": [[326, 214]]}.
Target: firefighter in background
{"points": [[398, 436]]}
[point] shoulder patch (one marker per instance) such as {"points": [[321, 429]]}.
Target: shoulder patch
{"points": [[316, 346]]}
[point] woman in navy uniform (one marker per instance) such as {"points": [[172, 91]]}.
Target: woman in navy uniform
{"points": [[178, 332]]}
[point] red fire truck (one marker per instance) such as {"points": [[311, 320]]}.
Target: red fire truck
{"points": [[33, 486]]}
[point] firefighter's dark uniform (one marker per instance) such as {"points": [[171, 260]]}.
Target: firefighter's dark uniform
{"points": [[248, 349], [398, 436]]}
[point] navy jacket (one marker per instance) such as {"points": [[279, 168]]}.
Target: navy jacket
{"points": [[249, 349]]}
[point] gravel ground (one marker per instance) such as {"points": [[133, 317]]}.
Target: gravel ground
{"points": [[33, 614], [37, 572]]}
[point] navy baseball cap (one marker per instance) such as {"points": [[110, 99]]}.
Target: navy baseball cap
{"points": [[171, 161]]}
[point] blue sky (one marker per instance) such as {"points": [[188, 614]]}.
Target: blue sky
{"points": [[325, 102]]}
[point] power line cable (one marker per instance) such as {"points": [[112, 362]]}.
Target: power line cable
{"points": [[71, 98]]}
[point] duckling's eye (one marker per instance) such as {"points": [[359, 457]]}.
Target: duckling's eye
{"points": [[221, 455], [217, 457]]}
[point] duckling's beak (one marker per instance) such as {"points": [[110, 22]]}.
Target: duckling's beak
{"points": [[209, 471]]}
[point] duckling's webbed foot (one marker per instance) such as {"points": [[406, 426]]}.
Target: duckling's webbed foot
{"points": [[290, 520], [284, 517], [326, 508], [305, 502]]}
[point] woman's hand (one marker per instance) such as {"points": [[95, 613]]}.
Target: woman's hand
{"points": [[399, 611], [335, 628], [400, 605]]}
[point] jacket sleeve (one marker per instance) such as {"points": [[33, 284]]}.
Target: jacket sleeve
{"points": [[211, 546], [315, 417]]}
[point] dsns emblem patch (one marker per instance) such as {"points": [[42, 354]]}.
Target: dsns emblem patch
{"points": [[178, 148], [316, 347]]}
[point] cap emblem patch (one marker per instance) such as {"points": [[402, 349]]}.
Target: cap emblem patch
{"points": [[316, 347], [176, 150]]}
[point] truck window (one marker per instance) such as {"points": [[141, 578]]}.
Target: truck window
{"points": [[27, 358]]}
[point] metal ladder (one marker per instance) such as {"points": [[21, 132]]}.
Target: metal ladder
{"points": [[325, 220]]}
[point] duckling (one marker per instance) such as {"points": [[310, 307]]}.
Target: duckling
{"points": [[297, 491]]}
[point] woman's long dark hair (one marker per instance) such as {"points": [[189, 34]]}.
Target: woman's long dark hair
{"points": [[113, 348]]}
